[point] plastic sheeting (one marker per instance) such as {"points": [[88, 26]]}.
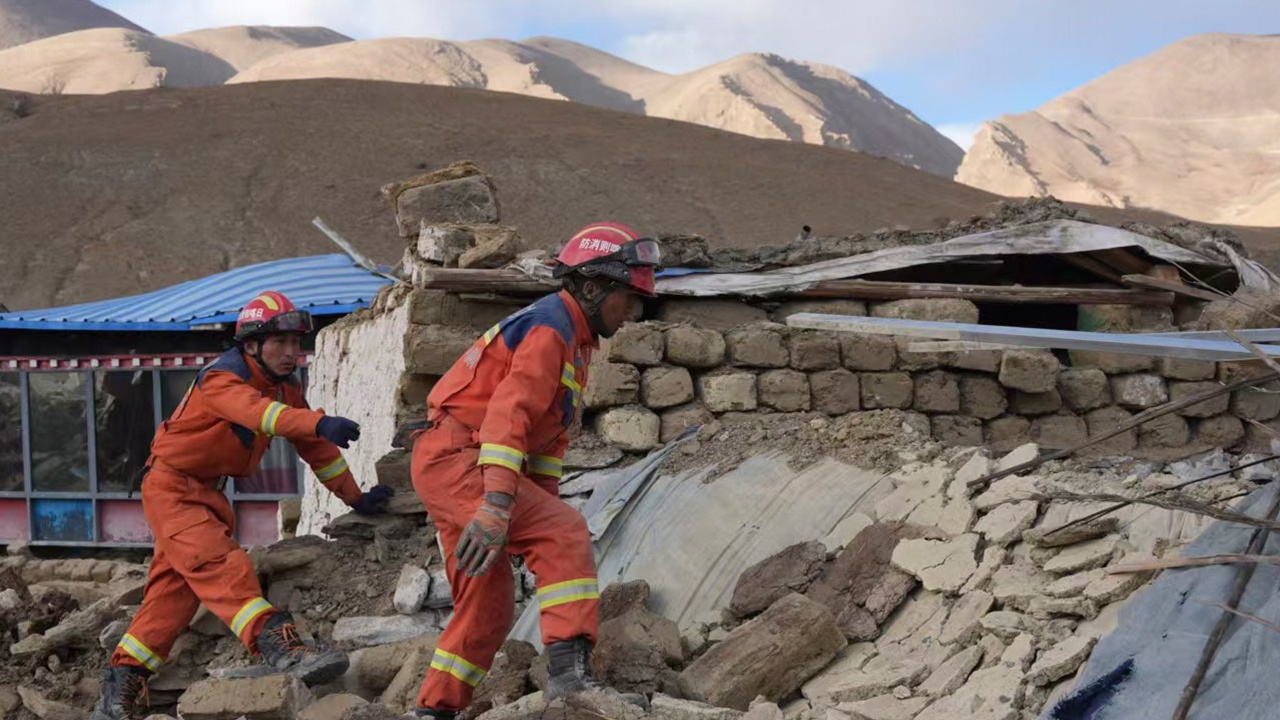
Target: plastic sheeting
{"points": [[1164, 628], [690, 535]]}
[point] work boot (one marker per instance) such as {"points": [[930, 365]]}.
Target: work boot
{"points": [[124, 694], [430, 713], [569, 672], [283, 649]]}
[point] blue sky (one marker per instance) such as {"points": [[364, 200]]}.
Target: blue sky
{"points": [[955, 63]]}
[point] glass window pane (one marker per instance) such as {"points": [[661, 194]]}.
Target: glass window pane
{"points": [[59, 438], [10, 432], [65, 520], [173, 387], [278, 474], [125, 422]]}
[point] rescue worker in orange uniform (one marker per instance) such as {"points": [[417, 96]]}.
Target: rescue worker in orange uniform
{"points": [[221, 429], [488, 469]]}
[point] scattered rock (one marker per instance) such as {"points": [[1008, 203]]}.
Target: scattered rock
{"points": [[80, 629], [45, 708], [1011, 489], [618, 599], [376, 667], [1073, 585], [877, 676], [508, 678], [1020, 653], [367, 631], [1004, 525], [884, 707], [636, 650], [1045, 537], [941, 565], [664, 707], [1005, 624], [1084, 556], [952, 673], [1043, 608], [861, 587], [412, 589], [273, 697], [495, 247], [965, 620], [332, 707], [1060, 660], [993, 693], [789, 570]]}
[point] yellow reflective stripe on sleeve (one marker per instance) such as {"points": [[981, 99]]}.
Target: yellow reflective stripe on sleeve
{"points": [[548, 465], [141, 653], [458, 667], [270, 416], [568, 378], [490, 334], [332, 470], [567, 592], [248, 614], [507, 457]]}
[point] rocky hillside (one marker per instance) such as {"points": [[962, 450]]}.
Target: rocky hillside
{"points": [[24, 21], [1193, 129]]}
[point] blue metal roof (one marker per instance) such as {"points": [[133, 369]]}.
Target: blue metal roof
{"points": [[322, 284]]}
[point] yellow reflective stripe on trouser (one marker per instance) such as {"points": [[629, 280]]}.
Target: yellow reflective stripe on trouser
{"points": [[490, 334], [248, 614], [567, 592], [447, 662], [548, 465], [140, 652], [270, 416], [507, 457], [332, 470], [569, 378]]}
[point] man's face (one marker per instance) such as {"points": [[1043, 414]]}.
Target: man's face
{"points": [[279, 352], [619, 306]]}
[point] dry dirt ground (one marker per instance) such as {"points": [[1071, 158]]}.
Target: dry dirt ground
{"points": [[104, 196]]}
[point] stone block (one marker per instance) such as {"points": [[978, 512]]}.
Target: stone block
{"points": [[835, 392], [813, 350], [982, 397], [1260, 404], [1032, 404], [664, 387], [663, 707], [784, 390], [1082, 556], [941, 565], [433, 349], [913, 361], [1057, 432], [411, 590], [770, 656], [757, 347], [466, 201], [861, 587], [1182, 390], [1004, 525], [375, 667], [1112, 363], [332, 707], [383, 630], [1139, 391], [848, 308], [868, 353], [636, 651], [1033, 371], [1084, 389], [677, 420], [952, 674], [1167, 431], [728, 392], [1181, 369], [631, 428], [937, 392], [442, 244], [964, 622], [273, 697], [1061, 660], [956, 430], [710, 313], [1006, 433], [495, 247], [637, 344], [789, 570], [952, 310], [986, 361], [1107, 419], [611, 384], [694, 347], [1223, 431], [886, 390], [884, 707]]}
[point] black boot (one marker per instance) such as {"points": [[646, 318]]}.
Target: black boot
{"points": [[569, 668], [436, 714], [283, 649], [124, 694]]}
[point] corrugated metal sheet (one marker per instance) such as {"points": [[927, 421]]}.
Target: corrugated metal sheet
{"points": [[322, 284]]}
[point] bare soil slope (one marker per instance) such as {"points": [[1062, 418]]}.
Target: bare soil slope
{"points": [[243, 46], [23, 21], [110, 195], [1193, 129]]}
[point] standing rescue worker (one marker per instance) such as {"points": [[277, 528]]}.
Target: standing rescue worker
{"points": [[221, 429], [488, 469]]}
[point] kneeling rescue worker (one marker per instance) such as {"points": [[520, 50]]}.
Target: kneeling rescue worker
{"points": [[222, 428], [488, 469]]}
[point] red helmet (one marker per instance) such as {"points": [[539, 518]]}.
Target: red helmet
{"points": [[270, 313], [612, 250]]}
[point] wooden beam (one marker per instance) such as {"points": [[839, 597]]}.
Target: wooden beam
{"points": [[497, 281], [1091, 264], [1157, 345], [882, 290], [1146, 281], [1123, 260]]}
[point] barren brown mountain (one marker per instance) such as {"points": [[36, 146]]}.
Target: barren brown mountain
{"points": [[1193, 129], [243, 46], [110, 195], [23, 21]]}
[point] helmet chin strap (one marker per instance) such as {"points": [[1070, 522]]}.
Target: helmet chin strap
{"points": [[593, 308], [266, 369]]}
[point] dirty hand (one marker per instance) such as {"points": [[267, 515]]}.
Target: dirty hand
{"points": [[485, 537], [374, 501], [338, 430]]}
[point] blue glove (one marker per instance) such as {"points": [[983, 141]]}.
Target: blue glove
{"points": [[374, 502], [338, 430]]}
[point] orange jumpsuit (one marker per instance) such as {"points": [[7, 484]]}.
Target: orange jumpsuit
{"points": [[222, 427], [506, 407]]}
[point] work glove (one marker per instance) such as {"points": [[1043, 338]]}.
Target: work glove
{"points": [[374, 501], [484, 540], [338, 430]]}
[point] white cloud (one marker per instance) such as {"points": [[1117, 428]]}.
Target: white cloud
{"points": [[960, 133]]}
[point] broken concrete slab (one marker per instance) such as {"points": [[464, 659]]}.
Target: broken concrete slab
{"points": [[1043, 608], [953, 673], [771, 655], [273, 697], [1014, 488], [368, 631], [80, 629], [1006, 624], [1020, 653], [964, 622], [791, 569], [861, 587], [1083, 556], [1073, 585], [1105, 589], [1004, 524], [884, 707], [1060, 660], [665, 707], [880, 675], [376, 667], [993, 559], [46, 709], [845, 531], [332, 707], [990, 694], [1017, 584], [940, 565], [1045, 537]]}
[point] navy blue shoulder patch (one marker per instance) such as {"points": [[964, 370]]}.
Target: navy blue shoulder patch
{"points": [[550, 312], [230, 361]]}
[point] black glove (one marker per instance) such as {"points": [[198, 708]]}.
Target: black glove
{"points": [[374, 502], [338, 430]]}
